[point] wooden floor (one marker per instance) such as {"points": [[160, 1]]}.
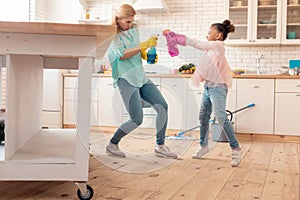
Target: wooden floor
{"points": [[269, 171]]}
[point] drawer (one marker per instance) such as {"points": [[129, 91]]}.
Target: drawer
{"points": [[199, 86], [71, 94], [287, 85], [72, 82]]}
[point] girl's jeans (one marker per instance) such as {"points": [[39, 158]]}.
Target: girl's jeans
{"points": [[132, 98], [214, 99]]}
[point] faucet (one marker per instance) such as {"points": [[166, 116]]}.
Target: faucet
{"points": [[258, 62]]}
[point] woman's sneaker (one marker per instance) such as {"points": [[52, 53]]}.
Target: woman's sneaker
{"points": [[164, 151], [113, 150], [236, 157], [201, 152]]}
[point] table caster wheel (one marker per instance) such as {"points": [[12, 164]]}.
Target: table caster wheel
{"points": [[89, 193]]}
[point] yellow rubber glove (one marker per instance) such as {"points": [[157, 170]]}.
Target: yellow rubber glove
{"points": [[144, 54], [151, 42]]}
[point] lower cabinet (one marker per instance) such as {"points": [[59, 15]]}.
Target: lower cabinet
{"points": [[194, 95], [51, 119], [149, 114], [287, 109], [174, 91], [70, 102], [258, 119], [110, 104], [276, 109]]}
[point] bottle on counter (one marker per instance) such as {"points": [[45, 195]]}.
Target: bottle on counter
{"points": [[87, 14]]}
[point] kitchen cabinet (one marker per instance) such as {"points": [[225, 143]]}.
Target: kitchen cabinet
{"points": [[287, 110], [70, 101], [290, 22], [258, 119], [149, 120], [256, 21], [52, 98], [194, 97], [110, 103], [194, 101], [174, 91]]}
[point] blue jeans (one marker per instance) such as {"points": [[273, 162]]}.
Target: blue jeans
{"points": [[132, 98], [214, 99]]}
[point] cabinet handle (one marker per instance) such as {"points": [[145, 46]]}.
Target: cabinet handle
{"points": [[297, 95], [175, 85], [255, 86], [297, 85]]}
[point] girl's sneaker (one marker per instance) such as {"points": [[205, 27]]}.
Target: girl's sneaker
{"points": [[236, 157], [201, 152]]}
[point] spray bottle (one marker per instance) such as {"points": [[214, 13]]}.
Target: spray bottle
{"points": [[152, 55]]}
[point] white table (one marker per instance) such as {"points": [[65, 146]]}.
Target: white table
{"points": [[33, 153]]}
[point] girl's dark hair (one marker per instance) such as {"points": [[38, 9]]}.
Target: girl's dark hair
{"points": [[225, 27]]}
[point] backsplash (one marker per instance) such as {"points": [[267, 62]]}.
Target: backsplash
{"points": [[193, 18]]}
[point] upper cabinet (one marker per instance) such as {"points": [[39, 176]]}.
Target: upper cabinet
{"points": [[291, 22], [263, 21]]}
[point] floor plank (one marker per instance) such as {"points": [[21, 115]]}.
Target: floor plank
{"points": [[269, 170]]}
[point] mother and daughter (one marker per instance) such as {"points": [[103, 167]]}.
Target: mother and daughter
{"points": [[125, 55]]}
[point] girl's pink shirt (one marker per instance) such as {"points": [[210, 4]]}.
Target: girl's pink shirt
{"points": [[213, 66]]}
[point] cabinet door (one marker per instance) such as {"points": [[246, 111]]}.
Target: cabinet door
{"points": [[51, 119], [258, 119], [195, 98], [70, 101], [266, 21], [239, 12], [149, 114], [287, 114], [290, 22], [256, 21], [174, 91], [70, 107], [109, 103]]}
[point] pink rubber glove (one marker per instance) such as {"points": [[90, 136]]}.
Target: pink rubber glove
{"points": [[172, 40]]}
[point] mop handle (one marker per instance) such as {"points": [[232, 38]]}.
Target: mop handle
{"points": [[248, 106]]}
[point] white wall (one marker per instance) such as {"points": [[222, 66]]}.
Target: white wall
{"points": [[193, 17], [65, 11], [14, 10]]}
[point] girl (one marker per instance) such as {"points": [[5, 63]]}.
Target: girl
{"points": [[214, 70], [128, 74]]}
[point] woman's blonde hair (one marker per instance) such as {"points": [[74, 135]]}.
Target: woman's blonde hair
{"points": [[123, 11]]}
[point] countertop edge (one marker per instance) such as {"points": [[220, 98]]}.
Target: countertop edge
{"points": [[247, 76]]}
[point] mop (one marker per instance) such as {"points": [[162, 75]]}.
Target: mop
{"points": [[180, 135]]}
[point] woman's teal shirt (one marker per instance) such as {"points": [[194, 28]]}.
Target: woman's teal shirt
{"points": [[130, 69]]}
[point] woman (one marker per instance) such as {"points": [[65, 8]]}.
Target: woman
{"points": [[129, 76], [214, 70]]}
